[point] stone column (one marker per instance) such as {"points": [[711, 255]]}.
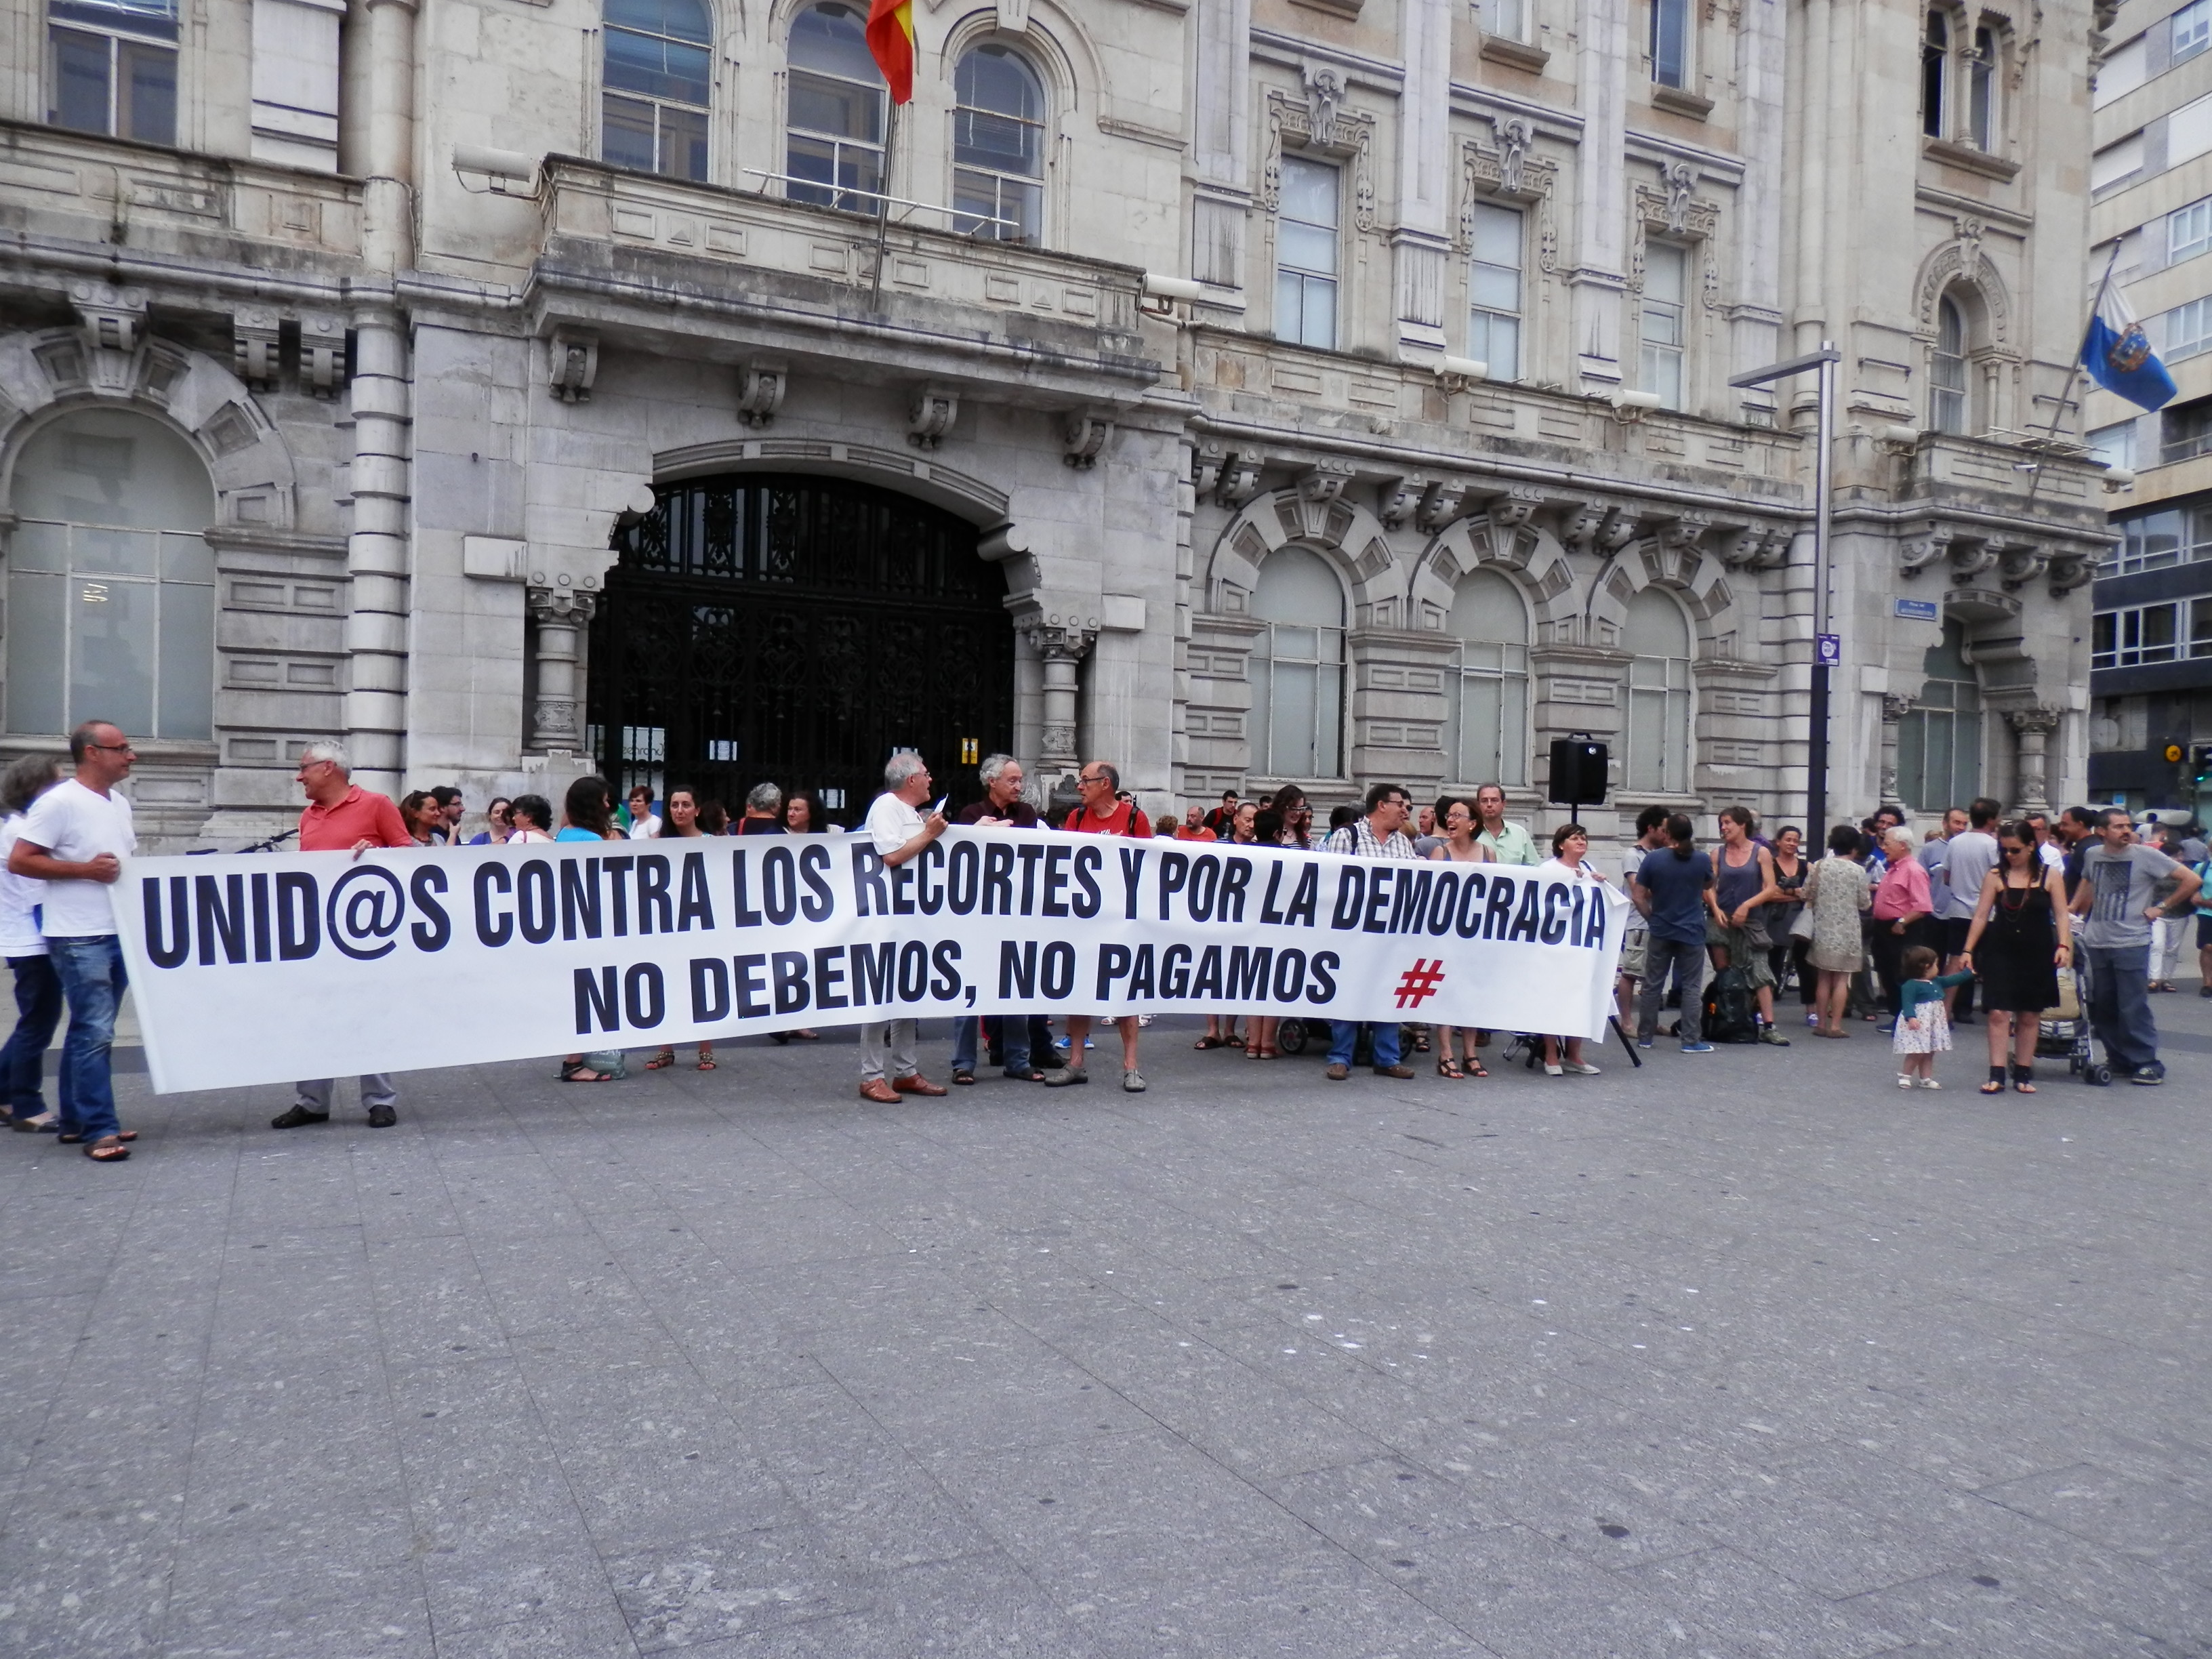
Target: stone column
{"points": [[1894, 707], [2033, 727], [1060, 648], [559, 616]]}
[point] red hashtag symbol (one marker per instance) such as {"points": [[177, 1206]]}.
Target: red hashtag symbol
{"points": [[1420, 983]]}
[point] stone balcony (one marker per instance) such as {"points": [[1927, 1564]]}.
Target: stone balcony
{"points": [[61, 190], [672, 264]]}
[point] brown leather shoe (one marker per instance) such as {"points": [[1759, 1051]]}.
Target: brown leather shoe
{"points": [[881, 1092], [917, 1085], [1393, 1071], [1338, 1073]]}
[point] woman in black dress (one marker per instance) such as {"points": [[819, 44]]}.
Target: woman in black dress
{"points": [[2018, 939]]}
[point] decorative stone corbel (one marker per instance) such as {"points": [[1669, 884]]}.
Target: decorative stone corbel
{"points": [[1206, 465], [2021, 563], [256, 336], [1396, 501], [1971, 557], [113, 318], [1685, 536], [1319, 487], [322, 355], [1515, 507], [1440, 504], [1240, 480], [572, 364], [931, 416], [1579, 524], [1084, 436], [1916, 552], [2071, 568], [761, 386]]}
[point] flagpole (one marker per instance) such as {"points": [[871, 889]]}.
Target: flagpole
{"points": [[2074, 371], [883, 212]]}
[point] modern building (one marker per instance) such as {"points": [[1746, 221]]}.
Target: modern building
{"points": [[1245, 391], [2151, 181]]}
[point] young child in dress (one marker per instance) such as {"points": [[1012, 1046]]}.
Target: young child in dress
{"points": [[1923, 1030]]}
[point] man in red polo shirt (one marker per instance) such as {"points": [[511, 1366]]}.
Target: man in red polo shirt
{"points": [[342, 817], [1103, 812]]}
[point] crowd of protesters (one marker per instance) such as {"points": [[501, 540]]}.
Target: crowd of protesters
{"points": [[1879, 929]]}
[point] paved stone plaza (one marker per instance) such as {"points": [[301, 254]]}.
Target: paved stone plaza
{"points": [[1743, 1354]]}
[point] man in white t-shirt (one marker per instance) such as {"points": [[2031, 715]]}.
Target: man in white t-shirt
{"points": [[75, 839], [901, 832]]}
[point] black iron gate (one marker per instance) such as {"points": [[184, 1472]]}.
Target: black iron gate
{"points": [[797, 631]]}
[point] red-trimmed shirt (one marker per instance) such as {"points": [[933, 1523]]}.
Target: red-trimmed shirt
{"points": [[363, 815], [1126, 818]]}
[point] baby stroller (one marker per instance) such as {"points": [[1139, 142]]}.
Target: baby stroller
{"points": [[2065, 1034]]}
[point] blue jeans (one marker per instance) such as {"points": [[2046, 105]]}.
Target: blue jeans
{"points": [[2119, 1006], [1343, 1033], [91, 973], [1014, 1040], [38, 1011]]}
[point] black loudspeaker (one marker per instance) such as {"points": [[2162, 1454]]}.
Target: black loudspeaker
{"points": [[1578, 770]]}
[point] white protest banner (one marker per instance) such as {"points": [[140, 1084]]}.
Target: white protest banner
{"points": [[266, 968]]}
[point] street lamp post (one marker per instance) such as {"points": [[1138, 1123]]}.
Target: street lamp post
{"points": [[1827, 646]]}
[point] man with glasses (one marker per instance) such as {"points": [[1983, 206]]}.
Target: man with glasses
{"points": [[901, 833], [1103, 812], [2116, 900], [1380, 835], [75, 839]]}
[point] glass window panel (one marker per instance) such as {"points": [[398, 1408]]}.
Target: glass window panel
{"points": [[111, 641], [1481, 707], [1320, 324], [834, 38], [1329, 724], [626, 136], [1513, 730], [2189, 231], [80, 88], [1912, 760], [114, 552], [1670, 42], [2192, 30], [1647, 715], [39, 547], [187, 663], [1940, 732], [1292, 720], [1506, 19], [1666, 272], [1656, 626], [1495, 288], [1293, 644], [1309, 191], [113, 466], [150, 83], [187, 559], [154, 17], [683, 142], [2157, 633], [659, 68], [838, 108], [1488, 606], [685, 20], [1981, 105], [2200, 628], [1495, 342], [1257, 725], [1308, 248], [38, 635], [1289, 307], [1297, 585], [994, 78]]}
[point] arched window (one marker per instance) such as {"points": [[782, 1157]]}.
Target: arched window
{"points": [[1487, 714], [1939, 740], [1656, 634], [837, 94], [1298, 668], [113, 68], [110, 587], [998, 147], [1947, 369], [659, 64], [1934, 66]]}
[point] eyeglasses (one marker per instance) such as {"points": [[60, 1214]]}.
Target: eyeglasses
{"points": [[113, 748], [1098, 779]]}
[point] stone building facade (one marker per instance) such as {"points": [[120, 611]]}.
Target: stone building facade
{"points": [[1245, 391]]}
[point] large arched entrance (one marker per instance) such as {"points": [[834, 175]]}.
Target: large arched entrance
{"points": [[798, 629]]}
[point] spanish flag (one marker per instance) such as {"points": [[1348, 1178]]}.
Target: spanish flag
{"points": [[890, 39]]}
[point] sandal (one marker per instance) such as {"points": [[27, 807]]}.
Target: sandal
{"points": [[575, 1071], [1476, 1069], [106, 1151], [959, 1076], [1993, 1087], [77, 1140], [1447, 1067], [666, 1057], [706, 1059], [1421, 1044], [1211, 1043]]}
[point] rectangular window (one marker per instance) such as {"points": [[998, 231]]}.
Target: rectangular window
{"points": [[2117, 162], [2149, 541], [1507, 20], [1665, 319], [2200, 628], [2192, 30], [2187, 430], [1493, 335], [1658, 758], [1670, 42], [2188, 331], [2142, 635], [2189, 231], [1981, 91], [1296, 726], [1486, 726], [113, 69], [1306, 255], [2114, 445]]}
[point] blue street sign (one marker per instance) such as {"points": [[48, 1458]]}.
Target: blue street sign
{"points": [[1828, 649], [1919, 610]]}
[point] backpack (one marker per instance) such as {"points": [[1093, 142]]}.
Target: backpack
{"points": [[1728, 1009]]}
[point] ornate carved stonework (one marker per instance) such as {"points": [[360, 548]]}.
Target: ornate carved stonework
{"points": [[1320, 126], [761, 386], [572, 358]]}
